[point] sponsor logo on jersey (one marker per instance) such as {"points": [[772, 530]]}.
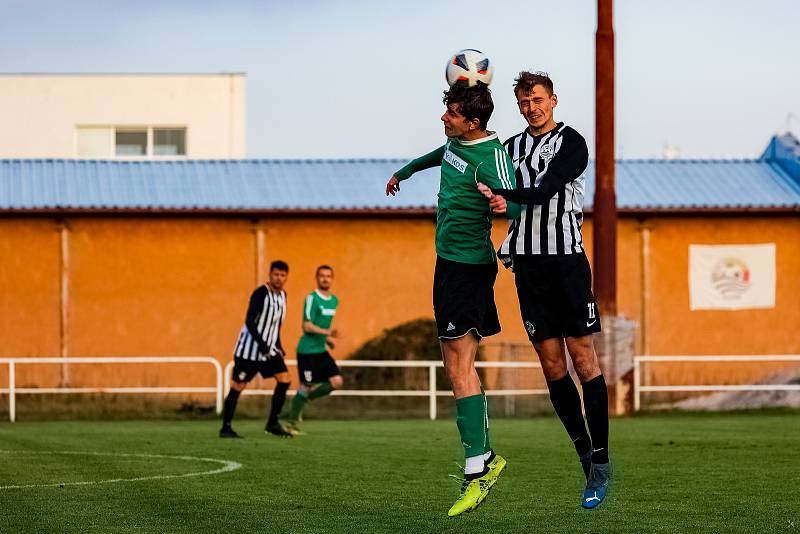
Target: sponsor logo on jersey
{"points": [[455, 161], [327, 311]]}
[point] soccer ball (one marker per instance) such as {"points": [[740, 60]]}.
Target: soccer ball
{"points": [[469, 65]]}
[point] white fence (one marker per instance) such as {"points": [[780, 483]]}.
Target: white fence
{"points": [[219, 389], [432, 392], [13, 390], [638, 388]]}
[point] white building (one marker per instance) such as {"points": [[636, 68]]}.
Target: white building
{"points": [[134, 116]]}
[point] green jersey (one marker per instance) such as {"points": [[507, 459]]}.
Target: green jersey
{"points": [[319, 310], [463, 216]]}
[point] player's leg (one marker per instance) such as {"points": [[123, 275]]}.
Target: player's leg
{"points": [[273, 425], [242, 374], [580, 322], [459, 362], [538, 293]]}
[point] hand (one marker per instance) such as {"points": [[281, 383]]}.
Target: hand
{"points": [[334, 333], [329, 342], [484, 189], [498, 204], [392, 186]]}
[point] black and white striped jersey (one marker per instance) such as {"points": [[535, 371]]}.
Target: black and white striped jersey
{"points": [[550, 187], [260, 337]]}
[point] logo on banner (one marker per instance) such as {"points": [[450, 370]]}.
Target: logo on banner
{"points": [[730, 277]]}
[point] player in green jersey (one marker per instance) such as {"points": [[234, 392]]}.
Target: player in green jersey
{"points": [[466, 268], [319, 374]]}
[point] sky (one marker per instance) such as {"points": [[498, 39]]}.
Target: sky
{"points": [[342, 79]]}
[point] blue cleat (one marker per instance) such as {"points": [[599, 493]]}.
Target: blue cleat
{"points": [[596, 486]]}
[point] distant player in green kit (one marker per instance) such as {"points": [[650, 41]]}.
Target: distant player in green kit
{"points": [[319, 374], [466, 268]]}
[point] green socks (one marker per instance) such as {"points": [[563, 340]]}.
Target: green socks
{"points": [[486, 446], [301, 398], [472, 424], [298, 402], [320, 391]]}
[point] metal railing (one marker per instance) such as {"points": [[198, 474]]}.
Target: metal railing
{"points": [[13, 390], [432, 392], [638, 388]]}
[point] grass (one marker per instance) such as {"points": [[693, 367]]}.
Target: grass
{"points": [[674, 473]]}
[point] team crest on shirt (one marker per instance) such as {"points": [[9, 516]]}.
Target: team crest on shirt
{"points": [[546, 153]]}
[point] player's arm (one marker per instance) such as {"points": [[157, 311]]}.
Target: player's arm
{"points": [[498, 176], [311, 314], [429, 160], [253, 311], [567, 164]]}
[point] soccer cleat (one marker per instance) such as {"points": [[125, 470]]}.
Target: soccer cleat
{"points": [[586, 463], [228, 432], [278, 429], [596, 485], [473, 492], [496, 466], [293, 429]]}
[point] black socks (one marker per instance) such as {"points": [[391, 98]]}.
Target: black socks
{"points": [[278, 398], [567, 404], [595, 402], [230, 407]]}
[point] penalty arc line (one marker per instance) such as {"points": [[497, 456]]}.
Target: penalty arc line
{"points": [[227, 466]]}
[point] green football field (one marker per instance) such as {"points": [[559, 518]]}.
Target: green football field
{"points": [[674, 473]]}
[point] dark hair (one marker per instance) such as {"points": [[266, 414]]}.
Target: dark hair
{"points": [[323, 268], [279, 265], [526, 81], [473, 102]]}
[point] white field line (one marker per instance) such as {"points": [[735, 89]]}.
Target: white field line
{"points": [[227, 466]]}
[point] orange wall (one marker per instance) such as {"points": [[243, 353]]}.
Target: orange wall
{"points": [[180, 286]]}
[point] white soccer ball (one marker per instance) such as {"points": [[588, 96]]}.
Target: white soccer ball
{"points": [[469, 65]]}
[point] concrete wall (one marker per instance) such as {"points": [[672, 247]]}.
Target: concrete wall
{"points": [[180, 286], [41, 113]]}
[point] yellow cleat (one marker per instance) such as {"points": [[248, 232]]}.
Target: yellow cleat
{"points": [[496, 466], [473, 492]]}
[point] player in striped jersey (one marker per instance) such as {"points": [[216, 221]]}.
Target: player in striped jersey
{"points": [[466, 268], [259, 350], [544, 248]]}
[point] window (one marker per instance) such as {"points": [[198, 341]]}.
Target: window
{"points": [[131, 143], [169, 141]]}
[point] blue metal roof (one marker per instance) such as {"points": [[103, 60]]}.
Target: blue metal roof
{"points": [[267, 185]]}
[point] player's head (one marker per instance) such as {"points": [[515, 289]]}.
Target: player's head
{"points": [[468, 109], [278, 271], [324, 277], [535, 98]]}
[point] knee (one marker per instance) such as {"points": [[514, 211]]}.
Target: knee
{"points": [[337, 382], [238, 386]]}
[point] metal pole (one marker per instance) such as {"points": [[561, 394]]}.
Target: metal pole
{"points": [[218, 369], [12, 401], [604, 218], [432, 391], [637, 394]]}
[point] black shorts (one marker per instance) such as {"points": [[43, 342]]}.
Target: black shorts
{"points": [[555, 296], [463, 299], [317, 367], [245, 370]]}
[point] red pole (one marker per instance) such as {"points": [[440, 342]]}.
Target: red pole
{"points": [[604, 218]]}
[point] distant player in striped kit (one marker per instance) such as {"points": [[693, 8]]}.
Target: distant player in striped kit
{"points": [[544, 248], [259, 350], [319, 374]]}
